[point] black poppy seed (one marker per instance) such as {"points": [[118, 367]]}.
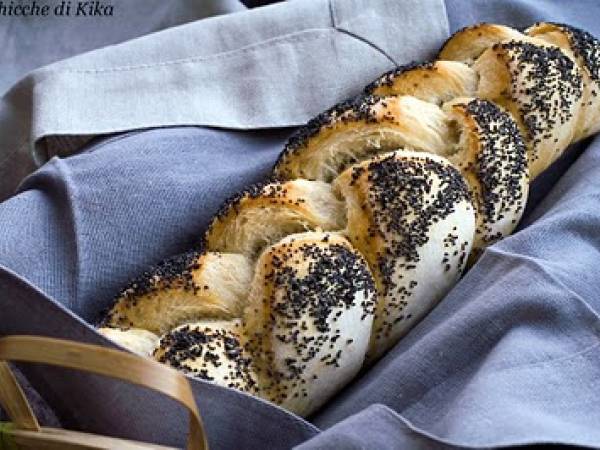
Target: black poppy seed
{"points": [[555, 84], [175, 273], [585, 46], [400, 186], [186, 345], [501, 166], [388, 78], [356, 108]]}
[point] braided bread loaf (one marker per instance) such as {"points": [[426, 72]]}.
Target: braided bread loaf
{"points": [[376, 207]]}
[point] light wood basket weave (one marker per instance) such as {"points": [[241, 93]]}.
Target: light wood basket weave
{"points": [[24, 431]]}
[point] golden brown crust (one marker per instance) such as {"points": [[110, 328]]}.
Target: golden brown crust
{"points": [[541, 87], [263, 214], [534, 80], [585, 49], [581, 44], [187, 287], [467, 44], [351, 132], [136, 340], [493, 159], [435, 82]]}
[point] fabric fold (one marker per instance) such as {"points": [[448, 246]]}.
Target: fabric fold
{"points": [[511, 356], [271, 67]]}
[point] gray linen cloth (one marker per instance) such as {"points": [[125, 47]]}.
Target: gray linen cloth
{"points": [[510, 357], [273, 66], [31, 42]]}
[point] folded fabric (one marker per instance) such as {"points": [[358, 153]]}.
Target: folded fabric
{"points": [[31, 41], [82, 226], [274, 66]]}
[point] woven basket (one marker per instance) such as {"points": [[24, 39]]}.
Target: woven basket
{"points": [[24, 431]]}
